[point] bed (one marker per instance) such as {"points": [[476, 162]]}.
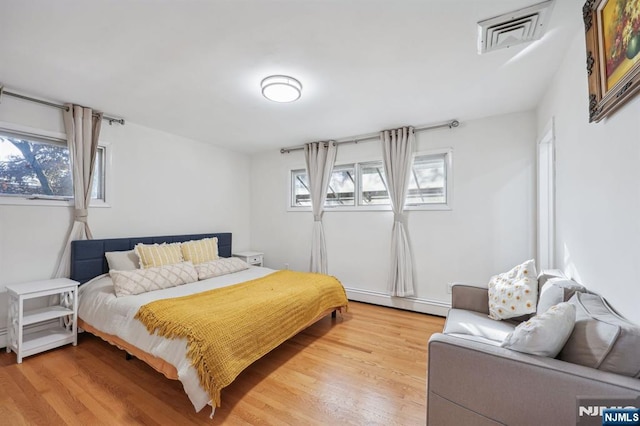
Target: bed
{"points": [[125, 321]]}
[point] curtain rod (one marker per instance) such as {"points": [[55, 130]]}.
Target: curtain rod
{"points": [[364, 138], [111, 120]]}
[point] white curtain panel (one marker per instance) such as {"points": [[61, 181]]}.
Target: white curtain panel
{"points": [[320, 157], [83, 131], [397, 151]]}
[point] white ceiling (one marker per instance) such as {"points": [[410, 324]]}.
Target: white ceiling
{"points": [[193, 68]]}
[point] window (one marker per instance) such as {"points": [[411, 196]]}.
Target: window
{"points": [[429, 185], [341, 190], [35, 167], [300, 189], [427, 182], [373, 188], [342, 185]]}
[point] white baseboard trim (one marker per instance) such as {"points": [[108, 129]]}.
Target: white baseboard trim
{"points": [[426, 306]]}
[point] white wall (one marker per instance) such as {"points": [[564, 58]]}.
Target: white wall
{"points": [[597, 187], [490, 229], [162, 184]]}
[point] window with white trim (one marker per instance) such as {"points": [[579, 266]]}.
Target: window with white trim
{"points": [[362, 185], [37, 167], [341, 191]]}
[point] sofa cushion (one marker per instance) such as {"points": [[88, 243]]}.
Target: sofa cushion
{"points": [[557, 290], [544, 334], [601, 338], [514, 293], [470, 323]]}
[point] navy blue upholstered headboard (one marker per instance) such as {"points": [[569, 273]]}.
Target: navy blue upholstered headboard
{"points": [[88, 261]]}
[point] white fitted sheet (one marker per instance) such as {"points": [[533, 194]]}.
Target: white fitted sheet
{"points": [[99, 307]]}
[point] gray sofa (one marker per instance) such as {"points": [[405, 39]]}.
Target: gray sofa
{"points": [[472, 380]]}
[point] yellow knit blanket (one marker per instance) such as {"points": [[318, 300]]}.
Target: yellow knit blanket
{"points": [[229, 328]]}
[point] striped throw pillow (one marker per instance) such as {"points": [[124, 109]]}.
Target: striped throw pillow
{"points": [[200, 251], [153, 255]]}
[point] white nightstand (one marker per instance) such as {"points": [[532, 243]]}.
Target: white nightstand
{"points": [[25, 344], [251, 257]]}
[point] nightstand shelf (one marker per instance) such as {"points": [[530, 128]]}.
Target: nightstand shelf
{"points": [[40, 341], [254, 258], [46, 334], [46, 314]]}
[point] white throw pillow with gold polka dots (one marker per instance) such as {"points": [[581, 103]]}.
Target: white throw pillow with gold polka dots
{"points": [[514, 293]]}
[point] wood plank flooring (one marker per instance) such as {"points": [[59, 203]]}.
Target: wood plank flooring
{"points": [[367, 367]]}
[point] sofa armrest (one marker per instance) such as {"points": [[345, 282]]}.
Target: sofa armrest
{"points": [[470, 298], [477, 383]]}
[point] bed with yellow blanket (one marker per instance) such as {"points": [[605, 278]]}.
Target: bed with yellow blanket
{"points": [[207, 332]]}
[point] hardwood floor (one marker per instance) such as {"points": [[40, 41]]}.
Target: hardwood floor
{"points": [[366, 367]]}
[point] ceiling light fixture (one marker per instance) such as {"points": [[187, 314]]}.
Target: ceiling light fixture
{"points": [[281, 88]]}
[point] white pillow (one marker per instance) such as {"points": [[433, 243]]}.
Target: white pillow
{"points": [[123, 260], [514, 293], [544, 335], [127, 283], [557, 290], [222, 266]]}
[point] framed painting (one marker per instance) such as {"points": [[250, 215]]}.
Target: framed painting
{"points": [[613, 54]]}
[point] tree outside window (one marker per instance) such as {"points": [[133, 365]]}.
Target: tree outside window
{"points": [[30, 167]]}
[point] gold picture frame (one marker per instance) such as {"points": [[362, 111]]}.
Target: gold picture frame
{"points": [[613, 54]]}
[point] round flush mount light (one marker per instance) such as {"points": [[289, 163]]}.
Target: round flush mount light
{"points": [[281, 88]]}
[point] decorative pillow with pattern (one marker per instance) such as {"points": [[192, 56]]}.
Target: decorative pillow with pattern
{"points": [[514, 293], [222, 266], [153, 255], [200, 251], [126, 283]]}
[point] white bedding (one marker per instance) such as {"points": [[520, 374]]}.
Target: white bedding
{"points": [[99, 307]]}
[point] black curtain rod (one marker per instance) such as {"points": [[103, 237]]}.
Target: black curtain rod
{"points": [[111, 120]]}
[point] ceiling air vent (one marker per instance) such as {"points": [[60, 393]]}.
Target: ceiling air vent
{"points": [[520, 26]]}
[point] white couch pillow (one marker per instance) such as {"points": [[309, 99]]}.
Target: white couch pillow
{"points": [[544, 334], [557, 290], [514, 293]]}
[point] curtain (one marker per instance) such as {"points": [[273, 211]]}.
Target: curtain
{"points": [[83, 130], [319, 157], [397, 150]]}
